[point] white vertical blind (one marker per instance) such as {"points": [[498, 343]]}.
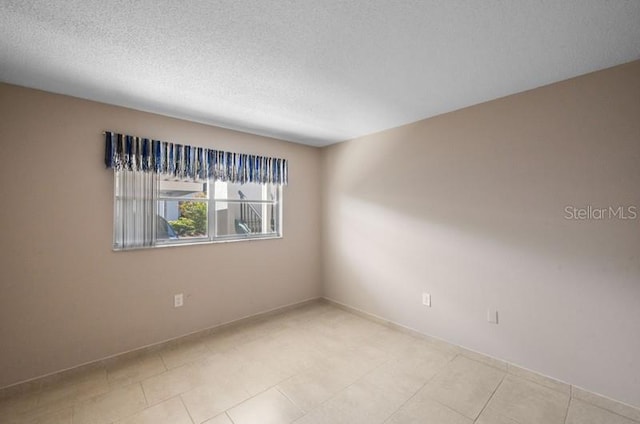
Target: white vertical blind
{"points": [[135, 209]]}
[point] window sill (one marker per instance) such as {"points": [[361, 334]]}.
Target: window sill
{"points": [[195, 243]]}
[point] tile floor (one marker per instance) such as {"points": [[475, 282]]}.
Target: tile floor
{"points": [[315, 364]]}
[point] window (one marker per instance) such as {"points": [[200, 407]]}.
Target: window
{"points": [[153, 210], [169, 194]]}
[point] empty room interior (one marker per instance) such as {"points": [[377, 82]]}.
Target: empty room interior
{"points": [[358, 212]]}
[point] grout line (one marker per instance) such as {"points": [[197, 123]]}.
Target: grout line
{"points": [[117, 420], [290, 400], [437, 374], [228, 416], [346, 387], [405, 402], [491, 397], [185, 408], [566, 414], [164, 364], [250, 396], [433, 377], [607, 410], [144, 393]]}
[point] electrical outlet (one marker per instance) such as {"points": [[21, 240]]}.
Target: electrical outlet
{"points": [[178, 300], [492, 315], [426, 299]]}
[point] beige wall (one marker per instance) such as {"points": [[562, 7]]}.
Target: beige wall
{"points": [[469, 206], [66, 298]]}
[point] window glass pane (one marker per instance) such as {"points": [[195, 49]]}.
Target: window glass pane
{"points": [[183, 189], [182, 220], [246, 219], [249, 191]]}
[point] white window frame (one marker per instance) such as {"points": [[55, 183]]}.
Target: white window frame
{"points": [[211, 201]]}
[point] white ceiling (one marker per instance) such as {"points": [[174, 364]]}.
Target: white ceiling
{"points": [[309, 71]]}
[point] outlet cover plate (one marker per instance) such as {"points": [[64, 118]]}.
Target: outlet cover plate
{"points": [[492, 315]]}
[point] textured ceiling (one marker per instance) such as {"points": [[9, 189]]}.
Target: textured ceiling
{"points": [[312, 72]]}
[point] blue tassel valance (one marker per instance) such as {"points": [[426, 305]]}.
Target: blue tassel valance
{"points": [[126, 152]]}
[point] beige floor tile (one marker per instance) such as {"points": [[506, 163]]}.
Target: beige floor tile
{"points": [[359, 403], [420, 411], [63, 416], [605, 403], [270, 407], [17, 404], [584, 413], [315, 385], [404, 345], [256, 377], [336, 365], [264, 328], [288, 358], [332, 373], [496, 363], [207, 401], [261, 349], [443, 346], [171, 411], [294, 358], [74, 389], [365, 357], [133, 370], [392, 341], [219, 419], [529, 403], [172, 383], [351, 331], [408, 374], [326, 345], [354, 363], [464, 385], [556, 385], [112, 406], [51, 413], [293, 335], [489, 416], [184, 353], [362, 326], [325, 315], [329, 326], [224, 340], [218, 366], [245, 333]]}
